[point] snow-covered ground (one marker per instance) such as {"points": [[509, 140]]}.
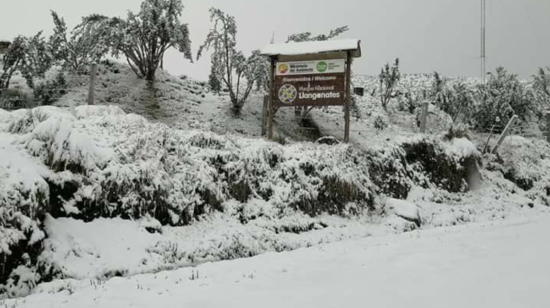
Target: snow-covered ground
{"points": [[181, 141], [481, 265]]}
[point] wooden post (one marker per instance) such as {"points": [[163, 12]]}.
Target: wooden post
{"points": [[270, 107], [348, 98], [424, 117], [93, 72], [264, 115], [505, 133]]}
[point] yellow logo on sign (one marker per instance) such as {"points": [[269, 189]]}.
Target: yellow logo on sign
{"points": [[283, 68]]}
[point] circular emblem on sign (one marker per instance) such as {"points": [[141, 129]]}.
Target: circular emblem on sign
{"points": [[322, 67], [283, 68], [288, 94]]}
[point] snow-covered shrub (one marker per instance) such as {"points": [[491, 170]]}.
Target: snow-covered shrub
{"points": [[23, 203], [502, 97], [437, 120], [12, 99], [524, 162], [457, 131], [381, 122], [48, 91], [447, 166], [454, 98]]}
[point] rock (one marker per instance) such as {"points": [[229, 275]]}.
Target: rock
{"points": [[329, 140], [404, 209]]}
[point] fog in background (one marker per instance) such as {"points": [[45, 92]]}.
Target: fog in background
{"points": [[427, 35]]}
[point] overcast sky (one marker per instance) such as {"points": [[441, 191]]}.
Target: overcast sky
{"points": [[427, 35]]}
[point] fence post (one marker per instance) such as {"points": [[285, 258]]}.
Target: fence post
{"points": [[93, 72], [424, 117], [264, 115], [505, 133]]}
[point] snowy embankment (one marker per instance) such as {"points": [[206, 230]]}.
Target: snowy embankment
{"points": [[189, 197], [495, 265]]}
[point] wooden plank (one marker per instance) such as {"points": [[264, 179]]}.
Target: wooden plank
{"points": [[270, 107], [348, 98], [265, 112], [505, 133], [424, 117], [311, 57]]}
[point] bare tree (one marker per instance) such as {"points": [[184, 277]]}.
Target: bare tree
{"points": [[229, 65], [389, 78]]}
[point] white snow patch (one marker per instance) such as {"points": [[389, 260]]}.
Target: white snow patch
{"points": [[403, 209], [290, 49], [462, 147], [496, 265]]}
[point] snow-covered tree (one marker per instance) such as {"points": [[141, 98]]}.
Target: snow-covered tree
{"points": [[237, 72], [213, 82], [11, 61], [307, 36], [542, 80], [29, 55], [502, 97], [389, 78], [88, 43], [144, 38]]}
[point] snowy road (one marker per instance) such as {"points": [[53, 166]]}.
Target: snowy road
{"points": [[499, 265]]}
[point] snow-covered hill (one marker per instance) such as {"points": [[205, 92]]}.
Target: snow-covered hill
{"points": [[170, 177]]}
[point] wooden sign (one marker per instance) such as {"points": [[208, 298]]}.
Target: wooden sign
{"points": [[311, 74], [310, 83]]}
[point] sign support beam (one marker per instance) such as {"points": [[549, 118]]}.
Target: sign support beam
{"points": [[348, 98], [270, 108]]}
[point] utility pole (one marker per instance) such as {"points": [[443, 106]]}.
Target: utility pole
{"points": [[483, 41]]}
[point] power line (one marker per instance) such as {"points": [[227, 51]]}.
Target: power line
{"points": [[483, 41]]}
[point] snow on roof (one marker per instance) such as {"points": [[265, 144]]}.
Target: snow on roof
{"points": [[292, 49]]}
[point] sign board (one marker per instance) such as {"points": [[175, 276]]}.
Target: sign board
{"points": [[310, 83]]}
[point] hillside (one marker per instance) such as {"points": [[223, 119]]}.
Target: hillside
{"points": [[162, 175]]}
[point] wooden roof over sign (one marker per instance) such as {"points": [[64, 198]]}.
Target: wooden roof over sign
{"points": [[317, 47]]}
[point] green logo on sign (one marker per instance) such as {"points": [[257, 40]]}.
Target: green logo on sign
{"points": [[322, 67]]}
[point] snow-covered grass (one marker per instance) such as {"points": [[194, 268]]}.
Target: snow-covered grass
{"points": [[483, 265], [166, 175]]}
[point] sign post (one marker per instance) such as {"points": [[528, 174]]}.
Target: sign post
{"points": [[317, 76], [348, 98]]}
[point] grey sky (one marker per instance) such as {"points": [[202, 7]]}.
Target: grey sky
{"points": [[427, 35]]}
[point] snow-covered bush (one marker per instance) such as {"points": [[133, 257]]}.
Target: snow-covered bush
{"points": [[12, 99], [99, 162], [454, 98], [437, 120], [524, 162], [24, 198], [48, 91], [502, 97]]}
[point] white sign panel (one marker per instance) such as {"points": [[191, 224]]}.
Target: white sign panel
{"points": [[334, 66]]}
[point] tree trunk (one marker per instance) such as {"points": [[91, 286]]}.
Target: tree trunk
{"points": [[150, 76]]}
